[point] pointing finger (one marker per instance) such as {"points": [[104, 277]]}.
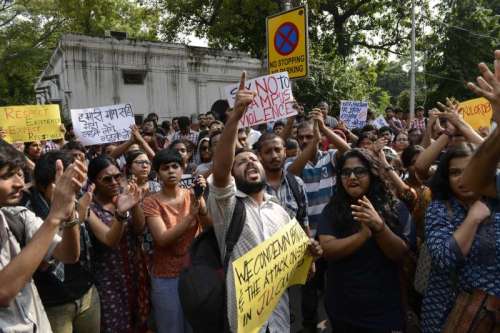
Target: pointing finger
{"points": [[242, 80]]}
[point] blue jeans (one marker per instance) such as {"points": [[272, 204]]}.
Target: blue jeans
{"points": [[167, 308]]}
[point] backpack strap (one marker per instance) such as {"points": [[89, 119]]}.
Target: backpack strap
{"points": [[234, 231], [297, 194], [16, 226]]}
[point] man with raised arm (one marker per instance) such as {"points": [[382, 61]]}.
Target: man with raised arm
{"points": [[240, 174], [26, 240]]}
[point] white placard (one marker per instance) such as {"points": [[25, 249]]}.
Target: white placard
{"points": [[274, 99], [104, 124], [353, 113]]}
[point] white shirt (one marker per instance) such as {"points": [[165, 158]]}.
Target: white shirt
{"points": [[262, 221]]}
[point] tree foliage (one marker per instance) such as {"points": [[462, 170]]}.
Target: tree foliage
{"points": [[464, 33], [30, 29]]}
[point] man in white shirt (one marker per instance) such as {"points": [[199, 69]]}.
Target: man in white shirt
{"points": [[243, 176], [26, 240]]}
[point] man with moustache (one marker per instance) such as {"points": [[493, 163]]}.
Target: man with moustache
{"points": [[242, 175]]}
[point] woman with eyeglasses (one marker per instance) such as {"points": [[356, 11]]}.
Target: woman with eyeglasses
{"points": [[363, 242], [463, 244], [138, 167], [113, 202]]}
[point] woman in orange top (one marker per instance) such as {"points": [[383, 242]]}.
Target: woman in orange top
{"points": [[174, 216]]}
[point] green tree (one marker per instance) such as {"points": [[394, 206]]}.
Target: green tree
{"points": [[30, 30], [465, 33]]}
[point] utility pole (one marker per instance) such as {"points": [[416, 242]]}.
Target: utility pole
{"points": [[286, 5], [412, 83]]}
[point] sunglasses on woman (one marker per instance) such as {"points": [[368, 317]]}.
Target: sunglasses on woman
{"points": [[109, 179], [357, 171]]}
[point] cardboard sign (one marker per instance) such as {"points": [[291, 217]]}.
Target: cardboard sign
{"points": [[25, 123], [262, 275], [274, 99], [105, 124], [380, 122], [287, 48], [477, 112], [353, 113]]}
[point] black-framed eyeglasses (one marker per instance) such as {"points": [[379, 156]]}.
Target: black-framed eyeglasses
{"points": [[142, 163], [109, 179], [358, 172]]}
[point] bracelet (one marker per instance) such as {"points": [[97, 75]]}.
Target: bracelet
{"points": [[70, 223], [122, 217]]}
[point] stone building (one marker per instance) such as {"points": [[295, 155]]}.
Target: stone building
{"points": [[169, 79]]}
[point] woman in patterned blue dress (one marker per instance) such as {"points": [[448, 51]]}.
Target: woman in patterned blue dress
{"points": [[460, 240]]}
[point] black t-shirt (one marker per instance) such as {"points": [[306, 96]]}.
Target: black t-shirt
{"points": [[362, 289], [59, 283]]}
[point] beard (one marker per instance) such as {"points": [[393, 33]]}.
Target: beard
{"points": [[250, 187]]}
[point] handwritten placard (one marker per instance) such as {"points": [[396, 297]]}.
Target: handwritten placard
{"points": [[262, 275], [353, 113], [274, 99], [477, 112], [105, 124], [26, 123], [380, 122]]}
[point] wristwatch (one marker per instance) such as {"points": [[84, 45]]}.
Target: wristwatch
{"points": [[122, 217]]}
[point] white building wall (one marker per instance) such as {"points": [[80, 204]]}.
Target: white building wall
{"points": [[180, 80]]}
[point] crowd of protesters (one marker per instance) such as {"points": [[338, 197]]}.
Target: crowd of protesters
{"points": [[404, 220]]}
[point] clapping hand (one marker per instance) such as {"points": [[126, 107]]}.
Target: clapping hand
{"points": [[366, 214], [131, 197], [68, 182]]}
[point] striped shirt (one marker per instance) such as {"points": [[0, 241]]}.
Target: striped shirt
{"points": [[319, 180], [191, 136], [262, 221]]}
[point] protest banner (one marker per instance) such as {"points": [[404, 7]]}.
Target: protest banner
{"points": [[353, 113], [477, 112], [274, 99], [380, 122], [262, 275], [105, 124], [26, 123]]}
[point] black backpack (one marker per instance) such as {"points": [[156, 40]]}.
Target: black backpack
{"points": [[299, 198], [202, 285], [16, 224]]}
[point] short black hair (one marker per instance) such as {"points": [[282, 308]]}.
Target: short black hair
{"points": [[219, 109], [409, 153], [266, 137], [75, 145], [183, 122], [153, 115], [45, 168], [368, 128], [166, 156], [10, 157], [384, 129], [291, 144], [278, 123]]}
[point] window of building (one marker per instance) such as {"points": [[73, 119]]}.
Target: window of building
{"points": [[133, 77]]}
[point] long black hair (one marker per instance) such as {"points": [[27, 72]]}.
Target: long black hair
{"points": [[440, 181], [339, 208], [98, 164]]}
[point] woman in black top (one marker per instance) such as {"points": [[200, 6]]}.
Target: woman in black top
{"points": [[362, 240]]}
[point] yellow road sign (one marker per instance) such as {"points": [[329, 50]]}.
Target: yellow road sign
{"points": [[287, 49]]}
